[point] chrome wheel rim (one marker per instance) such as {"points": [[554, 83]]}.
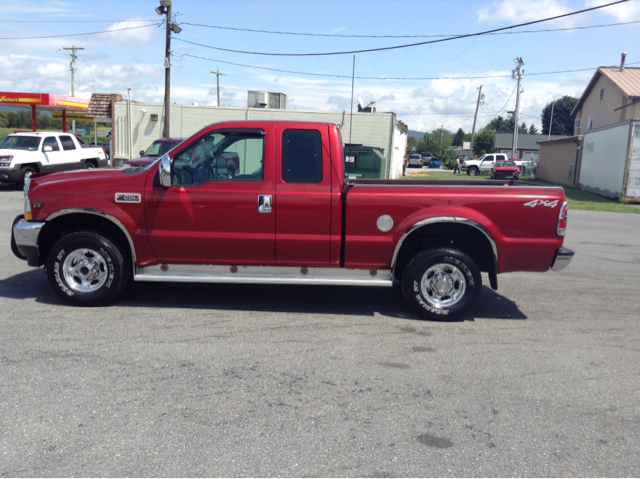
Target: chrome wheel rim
{"points": [[85, 270], [443, 285]]}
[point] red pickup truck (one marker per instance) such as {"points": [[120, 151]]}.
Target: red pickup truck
{"points": [[288, 215]]}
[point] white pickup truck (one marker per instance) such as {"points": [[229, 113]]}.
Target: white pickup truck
{"points": [[484, 163], [22, 154]]}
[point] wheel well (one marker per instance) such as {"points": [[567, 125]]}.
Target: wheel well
{"points": [[93, 161], [35, 166], [71, 223], [459, 236]]}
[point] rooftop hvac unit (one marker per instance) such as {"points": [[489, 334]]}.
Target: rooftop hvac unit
{"points": [[263, 99]]}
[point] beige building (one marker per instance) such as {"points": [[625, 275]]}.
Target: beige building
{"points": [[612, 96]]}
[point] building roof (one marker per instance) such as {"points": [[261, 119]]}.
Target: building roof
{"points": [[100, 104], [628, 81], [525, 142]]}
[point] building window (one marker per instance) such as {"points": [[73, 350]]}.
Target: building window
{"points": [[590, 123], [577, 124], [601, 93]]}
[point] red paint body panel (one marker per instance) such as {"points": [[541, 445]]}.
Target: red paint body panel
{"points": [[219, 223]]}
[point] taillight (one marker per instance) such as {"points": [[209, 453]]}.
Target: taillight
{"points": [[562, 220]]}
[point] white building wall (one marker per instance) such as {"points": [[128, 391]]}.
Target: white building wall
{"points": [[379, 130]]}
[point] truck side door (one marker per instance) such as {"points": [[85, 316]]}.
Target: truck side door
{"points": [[51, 159], [488, 163], [211, 215], [303, 197]]}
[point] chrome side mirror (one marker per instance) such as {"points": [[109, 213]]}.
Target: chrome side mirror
{"points": [[165, 171]]}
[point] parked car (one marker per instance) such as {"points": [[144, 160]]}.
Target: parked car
{"points": [[415, 159], [158, 148], [505, 169], [24, 154], [426, 157]]}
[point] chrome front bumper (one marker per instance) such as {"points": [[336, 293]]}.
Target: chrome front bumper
{"points": [[562, 259], [25, 235]]}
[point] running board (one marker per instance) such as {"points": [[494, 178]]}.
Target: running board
{"points": [[187, 273]]}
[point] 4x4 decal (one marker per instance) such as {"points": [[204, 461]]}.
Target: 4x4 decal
{"points": [[534, 203]]}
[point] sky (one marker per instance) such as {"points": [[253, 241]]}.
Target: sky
{"points": [[427, 86]]}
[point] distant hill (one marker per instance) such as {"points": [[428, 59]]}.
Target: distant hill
{"points": [[416, 134]]}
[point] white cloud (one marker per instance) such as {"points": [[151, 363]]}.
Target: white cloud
{"points": [[518, 11], [139, 32], [622, 12]]}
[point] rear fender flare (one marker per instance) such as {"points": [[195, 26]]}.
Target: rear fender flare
{"points": [[445, 219]]}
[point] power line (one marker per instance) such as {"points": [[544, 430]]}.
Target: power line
{"points": [[370, 50], [77, 21], [78, 34], [335, 35], [383, 78]]}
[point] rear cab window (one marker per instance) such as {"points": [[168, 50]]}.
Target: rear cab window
{"points": [[67, 143], [301, 156]]}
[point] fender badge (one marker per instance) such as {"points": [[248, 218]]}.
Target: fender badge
{"points": [[128, 197]]}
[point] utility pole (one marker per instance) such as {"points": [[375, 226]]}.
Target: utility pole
{"points": [[167, 73], [217, 74], [74, 57], [441, 132], [473, 130], [518, 72], [165, 9]]}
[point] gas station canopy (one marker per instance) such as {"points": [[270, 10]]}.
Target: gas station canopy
{"points": [[45, 101]]}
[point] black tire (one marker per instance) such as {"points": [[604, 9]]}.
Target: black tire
{"points": [[87, 269], [442, 284], [89, 165], [473, 171], [25, 173]]}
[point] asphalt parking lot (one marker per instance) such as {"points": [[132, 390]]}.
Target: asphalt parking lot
{"points": [[227, 380]]}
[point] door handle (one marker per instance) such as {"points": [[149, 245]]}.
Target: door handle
{"points": [[264, 203]]}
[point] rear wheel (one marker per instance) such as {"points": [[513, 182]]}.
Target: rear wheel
{"points": [[442, 284], [473, 171], [89, 165], [87, 269]]}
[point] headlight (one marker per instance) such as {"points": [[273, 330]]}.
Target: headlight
{"points": [[6, 160]]}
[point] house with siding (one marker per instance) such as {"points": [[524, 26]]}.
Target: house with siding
{"points": [[612, 96]]}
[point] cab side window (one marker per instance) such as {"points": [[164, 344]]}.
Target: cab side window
{"points": [[67, 143], [52, 142], [301, 156], [229, 155]]}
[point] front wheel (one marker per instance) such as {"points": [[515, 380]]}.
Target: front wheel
{"points": [[473, 171], [87, 269], [25, 173], [442, 284]]}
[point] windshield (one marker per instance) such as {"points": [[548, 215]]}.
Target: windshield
{"points": [[159, 148], [30, 143]]}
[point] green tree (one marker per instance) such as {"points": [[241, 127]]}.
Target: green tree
{"points": [[458, 138], [484, 140], [533, 130], [562, 119], [522, 130], [501, 125], [411, 144]]}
